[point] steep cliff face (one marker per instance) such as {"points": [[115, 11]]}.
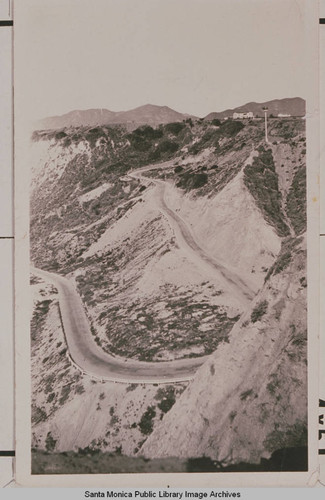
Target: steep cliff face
{"points": [[249, 398]]}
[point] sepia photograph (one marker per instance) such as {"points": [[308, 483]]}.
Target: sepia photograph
{"points": [[165, 229]]}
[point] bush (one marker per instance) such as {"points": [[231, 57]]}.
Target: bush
{"points": [[147, 132], [50, 397], [167, 398], [259, 311], [175, 128], [287, 436], [178, 169], [232, 127], [262, 182], [60, 135], [50, 442], [296, 201], [191, 180], [167, 146], [146, 422], [285, 256], [38, 415]]}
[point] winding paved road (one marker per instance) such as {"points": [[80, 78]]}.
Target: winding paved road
{"points": [[90, 358]]}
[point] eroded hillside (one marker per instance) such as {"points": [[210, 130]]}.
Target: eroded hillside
{"points": [[250, 398], [182, 241]]}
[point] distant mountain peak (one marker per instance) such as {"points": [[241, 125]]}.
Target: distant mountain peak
{"points": [[151, 114]]}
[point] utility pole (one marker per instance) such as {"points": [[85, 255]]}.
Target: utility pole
{"points": [[265, 109]]}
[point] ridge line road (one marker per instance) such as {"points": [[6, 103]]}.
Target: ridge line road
{"points": [[91, 359]]}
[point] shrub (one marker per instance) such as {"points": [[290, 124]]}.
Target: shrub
{"points": [[178, 169], [141, 144], [50, 397], [259, 311], [167, 146], [38, 414], [285, 256], [79, 389], [232, 127], [244, 395], [60, 135], [167, 398], [192, 180], [146, 422], [65, 391], [50, 442], [287, 436], [175, 128], [147, 132], [262, 181], [296, 201]]}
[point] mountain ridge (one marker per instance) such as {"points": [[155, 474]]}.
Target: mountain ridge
{"points": [[154, 115], [150, 114], [295, 106]]}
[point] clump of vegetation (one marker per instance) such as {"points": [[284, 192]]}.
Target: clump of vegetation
{"points": [[287, 436], [93, 134], [147, 132], [50, 442], [262, 182], [50, 397], [246, 394], [192, 180], [274, 384], [178, 169], [280, 264], [38, 414], [166, 397], [296, 201], [232, 127], [259, 311], [65, 392], [39, 316], [79, 389], [284, 258], [165, 148], [131, 387], [146, 422], [175, 128]]}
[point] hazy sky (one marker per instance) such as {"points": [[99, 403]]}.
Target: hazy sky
{"points": [[195, 56]]}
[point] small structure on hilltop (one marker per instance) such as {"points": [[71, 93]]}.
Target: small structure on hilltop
{"points": [[283, 115], [249, 114]]}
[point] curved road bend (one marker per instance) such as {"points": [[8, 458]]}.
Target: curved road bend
{"points": [[186, 239], [92, 360]]}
